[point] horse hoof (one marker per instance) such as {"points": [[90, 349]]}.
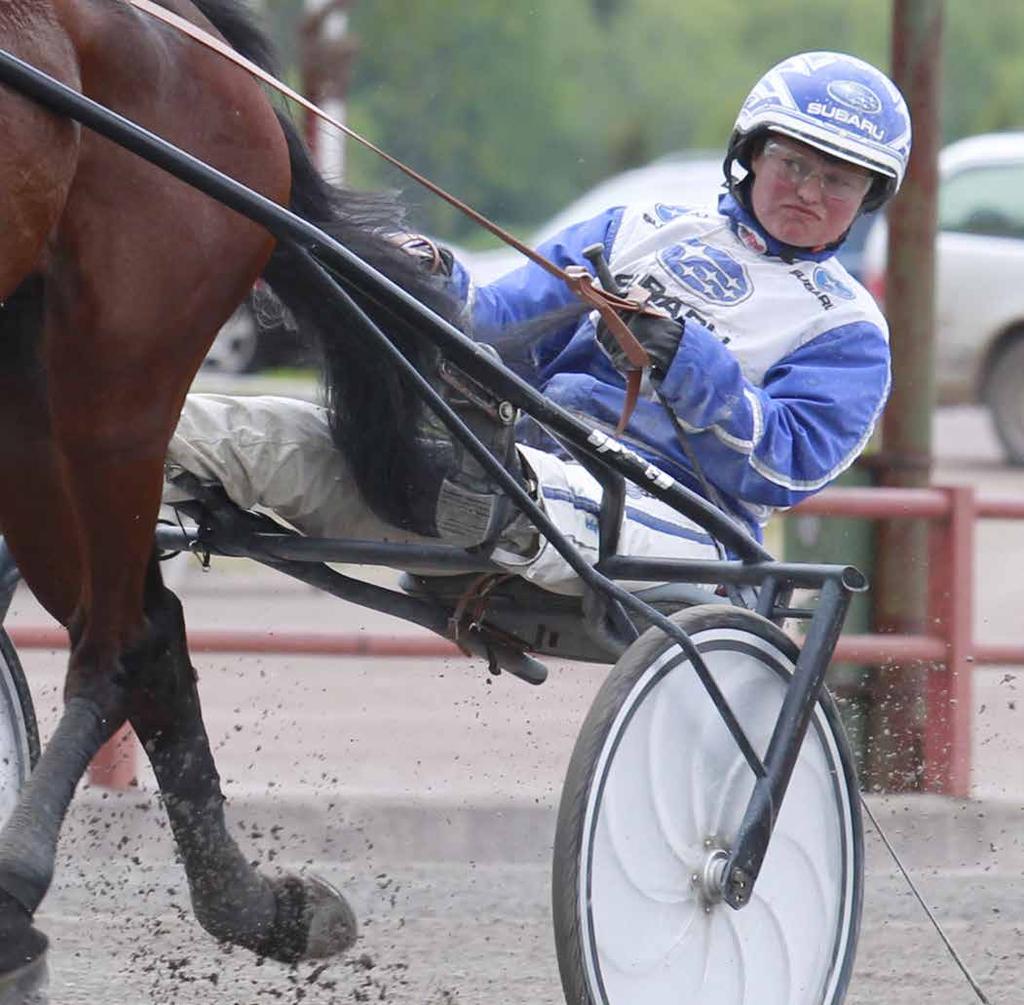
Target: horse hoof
{"points": [[332, 922], [313, 921], [27, 984]]}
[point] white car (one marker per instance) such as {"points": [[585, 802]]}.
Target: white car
{"points": [[979, 281]]}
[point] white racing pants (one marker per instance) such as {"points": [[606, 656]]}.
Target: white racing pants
{"points": [[276, 454]]}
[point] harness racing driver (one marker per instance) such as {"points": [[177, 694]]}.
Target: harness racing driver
{"points": [[767, 377]]}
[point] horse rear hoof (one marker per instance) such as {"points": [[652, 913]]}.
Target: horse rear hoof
{"points": [[28, 983], [332, 922]]}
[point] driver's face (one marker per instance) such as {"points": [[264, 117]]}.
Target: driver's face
{"points": [[803, 198]]}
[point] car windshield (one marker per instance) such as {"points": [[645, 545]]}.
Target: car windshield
{"points": [[986, 200]]}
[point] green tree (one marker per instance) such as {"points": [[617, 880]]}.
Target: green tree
{"points": [[481, 98], [517, 107], [983, 85]]}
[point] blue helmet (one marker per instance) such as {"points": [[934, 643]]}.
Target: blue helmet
{"points": [[836, 103]]}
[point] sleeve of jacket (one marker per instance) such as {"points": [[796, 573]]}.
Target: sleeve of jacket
{"points": [[777, 443], [530, 292]]}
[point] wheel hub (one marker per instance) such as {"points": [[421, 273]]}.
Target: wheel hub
{"points": [[710, 880]]}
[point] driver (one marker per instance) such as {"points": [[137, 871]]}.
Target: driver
{"points": [[766, 379]]}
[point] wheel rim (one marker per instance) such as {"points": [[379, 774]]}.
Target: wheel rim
{"points": [[14, 753], [648, 932]]}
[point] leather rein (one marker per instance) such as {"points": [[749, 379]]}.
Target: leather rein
{"points": [[607, 303]]}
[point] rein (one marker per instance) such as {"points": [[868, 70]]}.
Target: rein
{"points": [[576, 277]]}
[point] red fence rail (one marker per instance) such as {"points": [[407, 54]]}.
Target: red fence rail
{"points": [[949, 651]]}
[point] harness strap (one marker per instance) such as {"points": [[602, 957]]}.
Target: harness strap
{"points": [[607, 304]]}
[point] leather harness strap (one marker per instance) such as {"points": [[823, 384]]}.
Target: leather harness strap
{"points": [[609, 306]]}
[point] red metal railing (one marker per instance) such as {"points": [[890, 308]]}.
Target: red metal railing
{"points": [[949, 651]]}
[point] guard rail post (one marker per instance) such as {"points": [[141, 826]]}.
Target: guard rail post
{"points": [[115, 765], [949, 705]]}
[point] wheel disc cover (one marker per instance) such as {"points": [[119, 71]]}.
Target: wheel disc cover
{"points": [[676, 784]]}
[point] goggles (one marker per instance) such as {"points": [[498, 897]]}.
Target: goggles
{"points": [[838, 184]]}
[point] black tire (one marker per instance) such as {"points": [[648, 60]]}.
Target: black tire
{"points": [[19, 735], [1004, 396], [613, 890]]}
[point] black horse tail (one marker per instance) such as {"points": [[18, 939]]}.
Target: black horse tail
{"points": [[374, 412]]}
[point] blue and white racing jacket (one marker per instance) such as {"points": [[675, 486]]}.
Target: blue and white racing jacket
{"points": [[779, 379]]}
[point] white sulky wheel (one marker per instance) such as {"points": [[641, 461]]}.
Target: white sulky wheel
{"points": [[19, 742], [655, 792]]}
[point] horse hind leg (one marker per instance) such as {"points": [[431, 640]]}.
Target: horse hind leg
{"points": [[28, 841], [37, 167], [287, 919], [39, 526], [36, 518]]}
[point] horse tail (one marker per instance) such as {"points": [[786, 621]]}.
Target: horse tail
{"points": [[373, 412]]}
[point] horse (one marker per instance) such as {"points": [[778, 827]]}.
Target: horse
{"points": [[114, 279]]}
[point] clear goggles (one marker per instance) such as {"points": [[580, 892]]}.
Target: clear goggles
{"points": [[838, 184]]}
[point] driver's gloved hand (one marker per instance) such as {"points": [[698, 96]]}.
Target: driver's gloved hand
{"points": [[659, 335], [433, 258]]}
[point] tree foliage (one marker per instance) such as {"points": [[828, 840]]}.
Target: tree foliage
{"points": [[516, 107]]}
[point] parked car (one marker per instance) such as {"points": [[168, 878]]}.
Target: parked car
{"points": [[260, 334], [979, 282], [693, 177]]}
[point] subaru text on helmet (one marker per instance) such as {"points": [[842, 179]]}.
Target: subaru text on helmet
{"points": [[837, 104]]}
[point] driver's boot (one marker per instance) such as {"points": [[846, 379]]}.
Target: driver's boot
{"points": [[453, 497]]}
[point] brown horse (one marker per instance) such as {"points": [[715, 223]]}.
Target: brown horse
{"points": [[114, 279]]}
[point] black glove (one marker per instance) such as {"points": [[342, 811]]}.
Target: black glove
{"points": [[659, 335]]}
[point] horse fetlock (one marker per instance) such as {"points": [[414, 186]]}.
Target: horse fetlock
{"points": [[305, 918], [24, 881], [26, 869], [20, 944], [230, 920], [231, 900], [27, 981]]}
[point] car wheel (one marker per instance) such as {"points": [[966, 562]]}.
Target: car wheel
{"points": [[1004, 395], [239, 346]]}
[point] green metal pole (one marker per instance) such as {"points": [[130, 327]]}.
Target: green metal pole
{"points": [[895, 719]]}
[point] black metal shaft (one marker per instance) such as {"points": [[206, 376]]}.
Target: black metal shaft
{"points": [[802, 692], [353, 273], [356, 273]]}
